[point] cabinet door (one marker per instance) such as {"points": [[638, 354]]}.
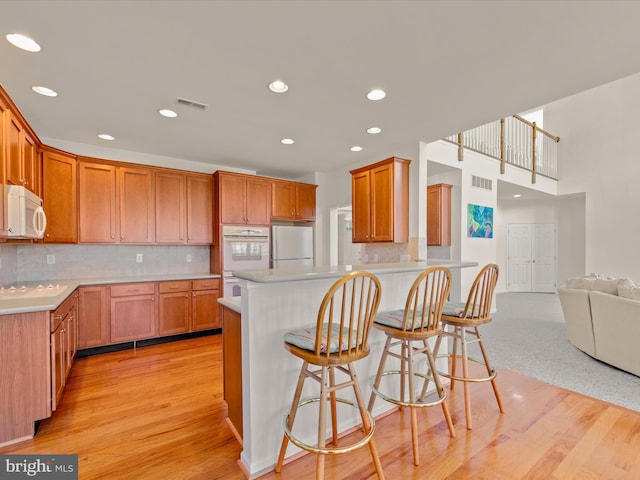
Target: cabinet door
{"points": [[257, 201], [361, 197], [137, 218], [70, 341], [232, 199], [59, 197], [30, 163], [439, 215], [232, 366], [173, 313], [199, 209], [283, 200], [97, 203], [93, 324], [205, 309], [132, 318], [14, 152], [171, 207], [382, 207], [58, 365], [306, 202]]}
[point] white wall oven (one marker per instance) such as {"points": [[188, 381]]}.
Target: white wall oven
{"points": [[243, 248]]}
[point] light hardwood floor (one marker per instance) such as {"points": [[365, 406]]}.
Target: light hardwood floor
{"points": [[158, 413]]}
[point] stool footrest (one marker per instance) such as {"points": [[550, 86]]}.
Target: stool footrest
{"points": [[405, 403], [468, 379], [334, 450]]}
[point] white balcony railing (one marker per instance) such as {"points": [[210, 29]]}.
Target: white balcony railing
{"points": [[513, 140]]}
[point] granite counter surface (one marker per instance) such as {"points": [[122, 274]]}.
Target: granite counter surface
{"points": [[64, 288], [311, 273]]}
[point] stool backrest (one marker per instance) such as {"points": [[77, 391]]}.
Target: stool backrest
{"points": [[478, 305], [426, 299], [347, 311]]}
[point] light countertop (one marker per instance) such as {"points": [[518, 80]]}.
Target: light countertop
{"points": [[232, 303], [310, 273], [63, 288]]}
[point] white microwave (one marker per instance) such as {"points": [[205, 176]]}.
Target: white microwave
{"points": [[25, 216]]}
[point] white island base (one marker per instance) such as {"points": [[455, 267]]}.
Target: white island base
{"points": [[276, 301]]}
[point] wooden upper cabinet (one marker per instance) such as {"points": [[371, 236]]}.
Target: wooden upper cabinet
{"points": [[4, 113], [361, 207], [380, 202], [200, 209], [439, 215], [293, 201], [22, 161], [137, 217], [97, 202], [171, 207], [59, 192], [242, 199]]}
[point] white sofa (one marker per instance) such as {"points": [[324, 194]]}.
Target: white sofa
{"points": [[604, 324]]}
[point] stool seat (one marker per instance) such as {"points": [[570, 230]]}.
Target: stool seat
{"points": [[338, 339], [410, 329]]}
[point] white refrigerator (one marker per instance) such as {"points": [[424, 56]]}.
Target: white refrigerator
{"points": [[291, 246]]}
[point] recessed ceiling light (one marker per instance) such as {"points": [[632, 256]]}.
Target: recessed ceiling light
{"points": [[356, 148], [278, 86], [374, 130], [106, 136], [286, 141], [23, 42], [47, 92], [376, 94], [517, 195], [165, 112]]}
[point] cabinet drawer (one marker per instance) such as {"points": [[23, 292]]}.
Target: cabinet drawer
{"points": [[169, 287], [133, 289], [205, 284]]}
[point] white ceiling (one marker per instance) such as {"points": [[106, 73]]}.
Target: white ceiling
{"points": [[446, 65]]}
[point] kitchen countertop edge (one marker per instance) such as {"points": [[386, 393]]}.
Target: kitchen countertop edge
{"points": [[42, 304]]}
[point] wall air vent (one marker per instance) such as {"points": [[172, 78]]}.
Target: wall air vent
{"points": [[192, 103], [480, 182]]}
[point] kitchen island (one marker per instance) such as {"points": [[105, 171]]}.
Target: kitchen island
{"points": [[276, 301]]}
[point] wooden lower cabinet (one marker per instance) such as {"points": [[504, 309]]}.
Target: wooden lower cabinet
{"points": [[64, 344], [110, 314], [204, 304], [173, 308], [93, 320], [132, 312], [232, 368]]}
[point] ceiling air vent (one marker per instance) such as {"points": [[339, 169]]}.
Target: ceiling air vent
{"points": [[192, 103], [480, 182]]}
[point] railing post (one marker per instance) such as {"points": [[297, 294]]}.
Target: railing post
{"points": [[460, 148], [533, 153], [502, 168]]}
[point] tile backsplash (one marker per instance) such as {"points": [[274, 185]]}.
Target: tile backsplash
{"points": [[36, 262]]}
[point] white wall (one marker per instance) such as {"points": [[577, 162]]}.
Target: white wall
{"points": [[598, 148]]}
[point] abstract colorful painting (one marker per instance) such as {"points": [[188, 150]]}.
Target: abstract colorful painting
{"points": [[479, 221]]}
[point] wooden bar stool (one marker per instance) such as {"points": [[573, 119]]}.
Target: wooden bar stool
{"points": [[461, 321], [339, 338], [410, 329]]}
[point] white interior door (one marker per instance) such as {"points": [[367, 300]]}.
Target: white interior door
{"points": [[531, 257], [519, 257]]}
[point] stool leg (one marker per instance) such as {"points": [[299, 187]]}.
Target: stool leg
{"points": [[292, 415], [334, 415], [454, 356], [489, 370], [322, 422], [365, 422], [376, 382], [406, 346], [465, 374], [440, 390]]}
